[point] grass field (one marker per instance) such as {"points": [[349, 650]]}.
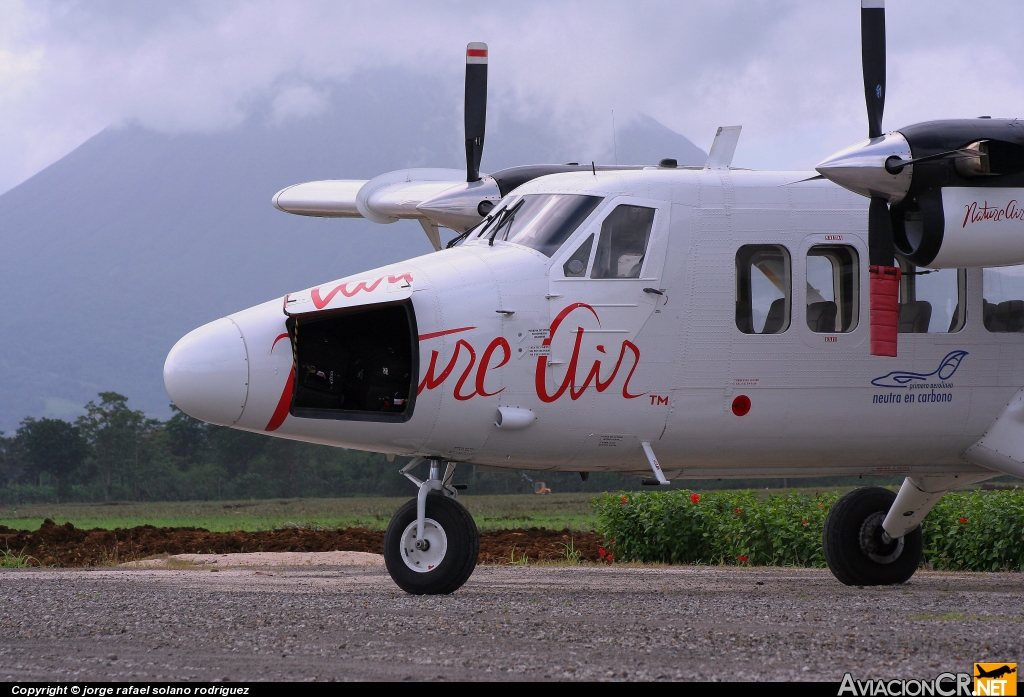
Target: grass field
{"points": [[554, 511]]}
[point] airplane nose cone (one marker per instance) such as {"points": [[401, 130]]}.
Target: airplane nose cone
{"points": [[462, 206], [206, 374], [861, 167]]}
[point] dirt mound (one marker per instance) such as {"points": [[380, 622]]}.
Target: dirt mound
{"points": [[537, 544], [66, 545]]}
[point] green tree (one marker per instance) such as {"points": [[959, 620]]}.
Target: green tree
{"points": [[117, 436], [6, 458], [187, 437], [52, 446]]}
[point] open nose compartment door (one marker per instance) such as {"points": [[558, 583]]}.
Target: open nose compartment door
{"points": [[355, 350]]}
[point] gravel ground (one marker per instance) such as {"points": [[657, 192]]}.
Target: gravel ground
{"points": [[183, 562], [352, 623]]}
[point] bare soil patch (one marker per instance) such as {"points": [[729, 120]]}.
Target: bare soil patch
{"points": [[67, 546], [537, 544]]}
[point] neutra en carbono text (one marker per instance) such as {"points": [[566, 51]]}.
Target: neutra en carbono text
{"points": [[911, 398], [90, 691]]}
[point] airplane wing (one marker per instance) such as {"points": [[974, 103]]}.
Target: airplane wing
{"points": [[334, 198], [433, 197], [384, 199]]}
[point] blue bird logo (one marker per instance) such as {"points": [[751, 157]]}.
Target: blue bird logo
{"points": [[902, 378]]}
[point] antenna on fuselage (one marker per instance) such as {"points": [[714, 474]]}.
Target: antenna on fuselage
{"points": [[615, 141]]}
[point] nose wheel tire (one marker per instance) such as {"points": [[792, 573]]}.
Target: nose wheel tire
{"points": [[443, 559], [856, 551]]}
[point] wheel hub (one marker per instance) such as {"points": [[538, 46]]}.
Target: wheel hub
{"points": [[872, 543], [426, 554]]}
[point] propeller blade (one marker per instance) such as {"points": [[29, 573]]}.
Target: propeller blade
{"points": [[881, 247], [872, 47], [884, 279], [475, 107]]}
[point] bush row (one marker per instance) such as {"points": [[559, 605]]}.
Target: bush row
{"points": [[972, 530], [977, 531]]}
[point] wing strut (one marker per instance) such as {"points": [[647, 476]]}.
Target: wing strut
{"points": [[655, 467], [433, 234]]}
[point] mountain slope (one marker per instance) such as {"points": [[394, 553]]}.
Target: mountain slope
{"points": [[111, 254]]}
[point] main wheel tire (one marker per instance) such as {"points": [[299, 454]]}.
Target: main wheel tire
{"points": [[449, 559], [853, 545]]}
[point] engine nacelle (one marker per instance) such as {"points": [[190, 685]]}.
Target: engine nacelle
{"points": [[954, 188], [956, 227]]}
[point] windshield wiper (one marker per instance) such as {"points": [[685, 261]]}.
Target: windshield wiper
{"points": [[508, 215], [498, 222], [460, 237]]}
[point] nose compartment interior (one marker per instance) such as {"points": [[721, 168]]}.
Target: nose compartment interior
{"points": [[361, 364]]}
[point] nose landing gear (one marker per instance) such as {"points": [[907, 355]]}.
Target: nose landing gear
{"points": [[432, 543], [858, 551]]}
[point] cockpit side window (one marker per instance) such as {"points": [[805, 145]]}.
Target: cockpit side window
{"points": [[763, 289], [623, 243], [576, 266], [541, 221]]}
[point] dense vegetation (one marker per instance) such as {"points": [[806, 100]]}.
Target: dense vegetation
{"points": [[115, 453], [499, 512], [970, 530]]}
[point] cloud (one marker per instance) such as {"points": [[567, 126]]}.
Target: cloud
{"points": [[788, 71], [297, 102]]}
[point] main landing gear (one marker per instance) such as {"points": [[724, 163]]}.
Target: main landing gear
{"points": [[432, 543], [858, 551]]}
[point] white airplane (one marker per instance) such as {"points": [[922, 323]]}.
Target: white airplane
{"points": [[687, 322]]}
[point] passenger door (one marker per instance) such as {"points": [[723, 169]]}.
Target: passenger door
{"points": [[606, 283]]}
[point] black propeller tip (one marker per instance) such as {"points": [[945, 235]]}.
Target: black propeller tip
{"points": [[475, 107], [872, 46]]}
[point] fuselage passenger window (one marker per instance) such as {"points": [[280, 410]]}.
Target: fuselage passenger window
{"points": [[576, 266], [932, 300], [1003, 299], [763, 289], [833, 289], [623, 242]]}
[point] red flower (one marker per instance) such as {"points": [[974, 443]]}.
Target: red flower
{"points": [[963, 520], [695, 498], [737, 511], [610, 559], [743, 558], [623, 500], [821, 505], [601, 551], [804, 522]]}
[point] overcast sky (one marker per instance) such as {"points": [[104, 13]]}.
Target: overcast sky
{"points": [[789, 72]]}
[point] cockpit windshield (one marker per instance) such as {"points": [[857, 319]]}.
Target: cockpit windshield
{"points": [[540, 221]]}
